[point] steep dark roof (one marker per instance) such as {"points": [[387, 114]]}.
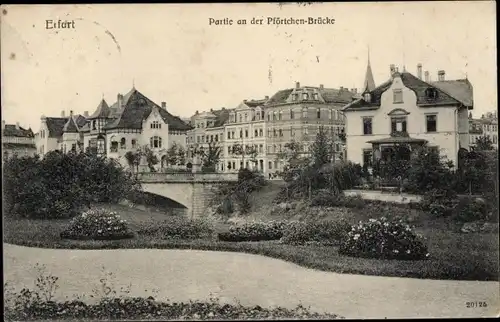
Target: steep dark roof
{"points": [[255, 103], [10, 145], [80, 120], [413, 83], [102, 111], [137, 108], [460, 89], [11, 130], [55, 126], [70, 126], [280, 96], [329, 95], [222, 116]]}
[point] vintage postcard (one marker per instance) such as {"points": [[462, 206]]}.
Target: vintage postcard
{"points": [[298, 160]]}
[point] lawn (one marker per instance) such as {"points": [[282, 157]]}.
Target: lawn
{"points": [[454, 255]]}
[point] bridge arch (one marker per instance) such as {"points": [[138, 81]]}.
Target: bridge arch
{"points": [[181, 194]]}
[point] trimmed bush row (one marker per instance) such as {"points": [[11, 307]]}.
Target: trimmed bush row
{"points": [[179, 228], [254, 231]]}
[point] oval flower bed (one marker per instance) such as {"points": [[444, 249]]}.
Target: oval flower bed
{"points": [[383, 239], [97, 224]]}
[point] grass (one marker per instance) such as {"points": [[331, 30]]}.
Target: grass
{"points": [[454, 256]]}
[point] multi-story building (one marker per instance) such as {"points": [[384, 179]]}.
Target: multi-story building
{"points": [[207, 127], [132, 122], [245, 139], [407, 109], [487, 125], [296, 114], [17, 141]]}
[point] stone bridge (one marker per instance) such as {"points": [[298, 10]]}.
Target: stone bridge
{"points": [[192, 190]]}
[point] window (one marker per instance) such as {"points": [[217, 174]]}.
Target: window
{"points": [[256, 133], [495, 139], [274, 133], [211, 138], [367, 157], [367, 97], [281, 132], [434, 149], [275, 116], [270, 165], [318, 113], [203, 139], [306, 131], [262, 116], [291, 115], [155, 142], [280, 115], [367, 125], [330, 112], [246, 117], [261, 148], [316, 96], [304, 113], [156, 125], [431, 93], [94, 124], [305, 96], [431, 123], [241, 117], [268, 116], [397, 96], [246, 133], [241, 133], [134, 143], [398, 124], [122, 143], [261, 133], [228, 135]]}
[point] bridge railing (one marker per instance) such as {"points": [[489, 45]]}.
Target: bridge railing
{"points": [[185, 177]]}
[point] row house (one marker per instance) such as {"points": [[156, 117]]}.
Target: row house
{"points": [[487, 125], [407, 109], [132, 122], [298, 113], [17, 141]]}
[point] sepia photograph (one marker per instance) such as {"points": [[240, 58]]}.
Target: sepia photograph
{"points": [[250, 161]]}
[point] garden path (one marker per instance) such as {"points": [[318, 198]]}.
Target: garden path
{"points": [[255, 280]]}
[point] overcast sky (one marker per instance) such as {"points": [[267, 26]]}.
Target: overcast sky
{"points": [[173, 55]]}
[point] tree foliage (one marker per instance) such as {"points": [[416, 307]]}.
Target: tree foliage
{"points": [[172, 156], [210, 156], [60, 184], [484, 143]]}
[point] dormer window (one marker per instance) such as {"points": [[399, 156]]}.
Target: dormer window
{"points": [[155, 125], [367, 97], [316, 96], [431, 93], [305, 96], [295, 97], [397, 96]]}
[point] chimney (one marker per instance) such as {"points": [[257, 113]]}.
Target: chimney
{"points": [[397, 69], [427, 76], [266, 97], [354, 90], [86, 113], [211, 110], [392, 69], [441, 75], [419, 71], [164, 105], [63, 114], [297, 84], [341, 88], [244, 101], [321, 86], [196, 113], [119, 100], [70, 113], [17, 125]]}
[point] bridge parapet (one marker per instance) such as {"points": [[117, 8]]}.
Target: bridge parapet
{"points": [[156, 177]]}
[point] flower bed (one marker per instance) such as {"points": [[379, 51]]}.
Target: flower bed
{"points": [[325, 232], [97, 224], [254, 231], [179, 228], [136, 308], [383, 239]]}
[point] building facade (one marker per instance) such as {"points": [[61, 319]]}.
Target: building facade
{"points": [[131, 123], [487, 125], [17, 141], [408, 110]]}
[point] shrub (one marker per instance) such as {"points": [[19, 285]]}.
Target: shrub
{"points": [[326, 198], [179, 228], [383, 239], [324, 232], [254, 231], [97, 224], [472, 210]]}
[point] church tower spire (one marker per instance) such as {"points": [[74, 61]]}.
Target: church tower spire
{"points": [[369, 84]]}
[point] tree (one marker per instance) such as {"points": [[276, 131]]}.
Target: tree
{"points": [[150, 156], [245, 151], [181, 155], [210, 157], [173, 154], [484, 143], [133, 159], [321, 148]]}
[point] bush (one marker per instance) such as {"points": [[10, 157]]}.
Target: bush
{"points": [[383, 239], [472, 210], [254, 231], [326, 198], [324, 232], [98, 224], [179, 228], [60, 185]]}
